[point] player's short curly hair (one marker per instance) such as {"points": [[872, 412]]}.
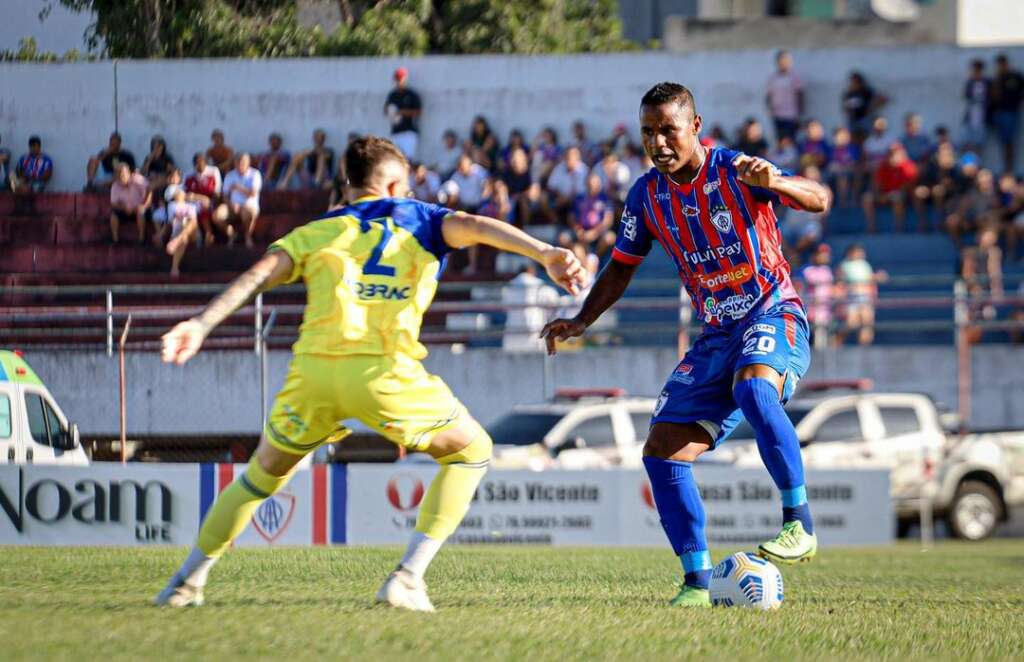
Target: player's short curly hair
{"points": [[667, 92], [364, 155]]}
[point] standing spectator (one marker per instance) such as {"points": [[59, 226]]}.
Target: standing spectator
{"points": [[894, 182], [785, 155], [844, 167], [242, 192], [465, 190], [588, 149], [183, 221], [977, 93], [516, 141], [979, 207], [219, 153], [615, 178], [785, 97], [314, 166], [33, 170], [875, 147], [99, 172], [448, 158], [802, 230], [5, 169], [424, 183], [1007, 94], [917, 143], [859, 284], [819, 289], [203, 186], [483, 143], [590, 221], [158, 164], [859, 102], [273, 164], [544, 155], [567, 181], [403, 108], [814, 149], [751, 139], [130, 198]]}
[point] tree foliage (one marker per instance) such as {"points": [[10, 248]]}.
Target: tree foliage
{"points": [[270, 28]]}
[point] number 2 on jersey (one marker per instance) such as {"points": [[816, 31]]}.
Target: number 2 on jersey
{"points": [[373, 267]]}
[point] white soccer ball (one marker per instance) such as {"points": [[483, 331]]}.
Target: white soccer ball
{"points": [[745, 580]]}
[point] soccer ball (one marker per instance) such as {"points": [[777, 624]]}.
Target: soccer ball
{"points": [[745, 580]]}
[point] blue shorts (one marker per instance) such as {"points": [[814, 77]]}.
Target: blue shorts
{"points": [[699, 390]]}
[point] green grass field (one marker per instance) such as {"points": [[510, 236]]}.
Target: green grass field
{"points": [[958, 601]]}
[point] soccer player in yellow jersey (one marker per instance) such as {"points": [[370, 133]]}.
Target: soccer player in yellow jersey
{"points": [[370, 270]]}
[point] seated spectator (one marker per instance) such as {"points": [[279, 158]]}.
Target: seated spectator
{"points": [[875, 147], [940, 184], [339, 196], [1017, 332], [615, 178], [5, 169], [1015, 227], [785, 154], [544, 154], [516, 141], [219, 153], [130, 198], [637, 161], [314, 166], [860, 102], [893, 186], [814, 148], [33, 170], [844, 167], [184, 224], [588, 148], [518, 182], [448, 157], [942, 138], [99, 172], [203, 187], [496, 203], [819, 286], [715, 137], [859, 286], [802, 230], [979, 207], [242, 192], [620, 138], [483, 143], [917, 143], [982, 271], [465, 190], [274, 162], [590, 221], [567, 181], [157, 165], [751, 139], [424, 183]]}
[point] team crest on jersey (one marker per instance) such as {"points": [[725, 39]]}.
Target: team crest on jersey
{"points": [[629, 225], [273, 516], [682, 374], [722, 220]]}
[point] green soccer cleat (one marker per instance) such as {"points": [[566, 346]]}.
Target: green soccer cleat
{"points": [[691, 596], [792, 545]]}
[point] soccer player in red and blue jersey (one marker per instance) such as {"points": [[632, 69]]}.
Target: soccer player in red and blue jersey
{"points": [[711, 211]]}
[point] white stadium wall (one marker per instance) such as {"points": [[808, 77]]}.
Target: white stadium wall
{"points": [[73, 107]]}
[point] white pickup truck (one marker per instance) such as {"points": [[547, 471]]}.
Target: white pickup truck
{"points": [[976, 478], [33, 429]]}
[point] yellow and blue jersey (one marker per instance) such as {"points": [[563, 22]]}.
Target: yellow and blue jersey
{"points": [[371, 271]]}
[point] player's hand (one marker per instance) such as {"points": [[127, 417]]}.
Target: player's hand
{"points": [[755, 171], [561, 329], [183, 341], [565, 269]]}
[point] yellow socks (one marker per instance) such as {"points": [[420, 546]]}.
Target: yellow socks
{"points": [[234, 507], [452, 489]]}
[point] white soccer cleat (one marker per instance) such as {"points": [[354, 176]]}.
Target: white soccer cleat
{"points": [[179, 594], [403, 591]]}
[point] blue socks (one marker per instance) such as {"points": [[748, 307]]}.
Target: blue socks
{"points": [[778, 445], [682, 516]]}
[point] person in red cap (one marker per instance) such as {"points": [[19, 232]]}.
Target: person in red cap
{"points": [[403, 108]]}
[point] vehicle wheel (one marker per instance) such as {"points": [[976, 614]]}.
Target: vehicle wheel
{"points": [[903, 527], [975, 511]]}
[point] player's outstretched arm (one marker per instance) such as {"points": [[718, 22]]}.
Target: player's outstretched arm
{"points": [[808, 194], [607, 290], [183, 341], [461, 230]]}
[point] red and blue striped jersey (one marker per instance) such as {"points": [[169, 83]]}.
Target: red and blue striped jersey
{"points": [[721, 234]]}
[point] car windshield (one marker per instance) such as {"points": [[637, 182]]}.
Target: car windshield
{"points": [[744, 431], [522, 429]]}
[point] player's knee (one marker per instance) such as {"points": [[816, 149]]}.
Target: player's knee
{"points": [[755, 395], [476, 452]]}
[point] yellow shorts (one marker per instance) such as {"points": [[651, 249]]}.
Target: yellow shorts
{"points": [[393, 395]]}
